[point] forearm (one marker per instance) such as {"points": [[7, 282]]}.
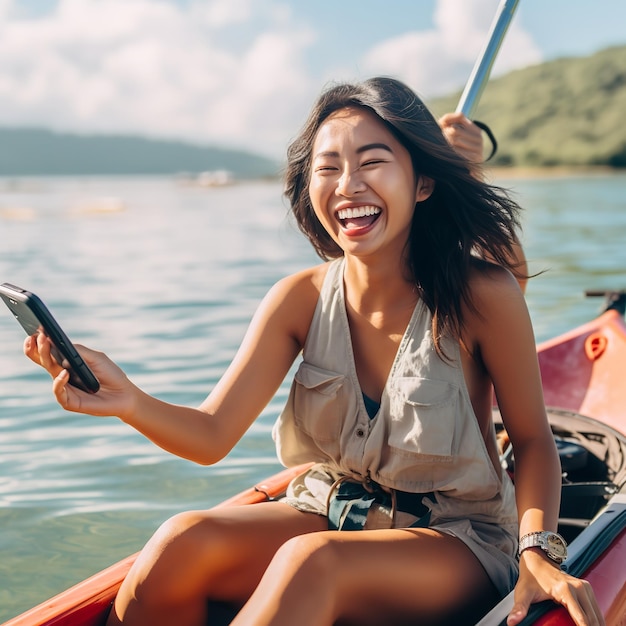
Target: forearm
{"points": [[184, 431], [537, 486]]}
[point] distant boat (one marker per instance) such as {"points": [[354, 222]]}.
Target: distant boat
{"points": [[18, 213], [208, 178], [100, 204]]}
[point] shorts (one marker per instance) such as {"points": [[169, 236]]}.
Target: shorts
{"points": [[495, 546]]}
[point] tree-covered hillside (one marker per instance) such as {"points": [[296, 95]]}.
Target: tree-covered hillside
{"points": [[42, 152], [565, 112]]}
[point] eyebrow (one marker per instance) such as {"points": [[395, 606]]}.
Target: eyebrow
{"points": [[360, 150]]}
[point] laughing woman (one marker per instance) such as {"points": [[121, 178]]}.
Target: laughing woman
{"points": [[406, 515]]}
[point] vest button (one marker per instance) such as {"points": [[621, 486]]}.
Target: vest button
{"points": [[360, 432]]}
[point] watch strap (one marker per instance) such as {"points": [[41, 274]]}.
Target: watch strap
{"points": [[540, 539]]}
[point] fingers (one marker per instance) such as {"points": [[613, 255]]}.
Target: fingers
{"points": [[59, 388], [574, 594], [30, 345], [114, 385], [578, 598], [593, 604], [517, 614], [38, 348], [46, 359], [463, 135], [452, 119], [523, 600], [31, 349], [456, 124]]}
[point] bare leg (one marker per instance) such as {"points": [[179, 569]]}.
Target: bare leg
{"points": [[370, 577], [219, 554]]}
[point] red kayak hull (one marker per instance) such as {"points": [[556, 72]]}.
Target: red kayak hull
{"points": [[582, 370]]}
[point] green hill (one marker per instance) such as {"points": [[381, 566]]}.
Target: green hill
{"points": [[42, 152], [564, 112]]}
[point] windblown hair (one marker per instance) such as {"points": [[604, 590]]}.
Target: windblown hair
{"points": [[462, 215]]}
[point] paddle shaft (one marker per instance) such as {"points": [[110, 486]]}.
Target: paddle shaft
{"points": [[482, 68]]}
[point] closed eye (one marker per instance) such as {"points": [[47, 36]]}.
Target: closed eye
{"points": [[372, 162]]}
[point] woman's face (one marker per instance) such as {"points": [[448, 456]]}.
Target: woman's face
{"points": [[362, 187]]}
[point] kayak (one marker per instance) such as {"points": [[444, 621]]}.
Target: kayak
{"points": [[585, 397], [586, 401]]}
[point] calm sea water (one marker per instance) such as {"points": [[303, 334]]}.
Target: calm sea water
{"points": [[165, 278]]}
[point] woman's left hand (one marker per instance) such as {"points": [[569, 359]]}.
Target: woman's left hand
{"points": [[540, 579]]}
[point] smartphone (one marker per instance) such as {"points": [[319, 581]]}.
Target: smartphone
{"points": [[34, 316]]}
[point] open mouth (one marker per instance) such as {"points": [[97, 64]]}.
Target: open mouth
{"points": [[358, 217]]}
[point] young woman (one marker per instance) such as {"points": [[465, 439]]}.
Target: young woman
{"points": [[404, 333]]}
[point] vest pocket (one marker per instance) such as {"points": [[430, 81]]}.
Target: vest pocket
{"points": [[423, 418], [319, 404]]}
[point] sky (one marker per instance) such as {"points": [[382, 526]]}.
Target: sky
{"points": [[243, 73]]}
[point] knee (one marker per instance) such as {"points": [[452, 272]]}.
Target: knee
{"points": [[163, 571], [177, 537], [312, 556], [303, 575]]}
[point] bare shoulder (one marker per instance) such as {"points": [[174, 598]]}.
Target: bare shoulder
{"points": [[497, 301], [301, 288], [292, 300], [491, 283]]}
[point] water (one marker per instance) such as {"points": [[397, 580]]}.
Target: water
{"points": [[165, 278]]}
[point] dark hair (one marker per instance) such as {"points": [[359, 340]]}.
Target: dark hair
{"points": [[462, 215]]}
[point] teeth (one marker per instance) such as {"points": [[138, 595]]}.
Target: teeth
{"points": [[362, 211]]}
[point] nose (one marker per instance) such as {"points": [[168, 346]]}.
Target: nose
{"points": [[350, 183]]}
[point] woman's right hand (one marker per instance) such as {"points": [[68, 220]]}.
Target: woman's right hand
{"points": [[463, 135], [116, 395]]}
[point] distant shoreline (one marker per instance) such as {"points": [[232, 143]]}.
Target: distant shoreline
{"points": [[494, 173], [557, 171]]}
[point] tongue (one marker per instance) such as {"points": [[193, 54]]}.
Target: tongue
{"points": [[359, 222]]}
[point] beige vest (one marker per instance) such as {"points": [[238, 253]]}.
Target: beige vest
{"points": [[425, 437]]}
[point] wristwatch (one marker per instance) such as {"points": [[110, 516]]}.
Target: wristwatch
{"points": [[551, 543]]}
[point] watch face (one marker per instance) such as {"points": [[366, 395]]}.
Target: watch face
{"points": [[556, 546]]}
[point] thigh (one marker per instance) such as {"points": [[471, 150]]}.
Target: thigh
{"points": [[403, 575], [219, 554]]}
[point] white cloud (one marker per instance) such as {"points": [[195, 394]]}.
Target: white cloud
{"points": [[221, 13], [439, 60], [156, 68], [214, 71]]}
